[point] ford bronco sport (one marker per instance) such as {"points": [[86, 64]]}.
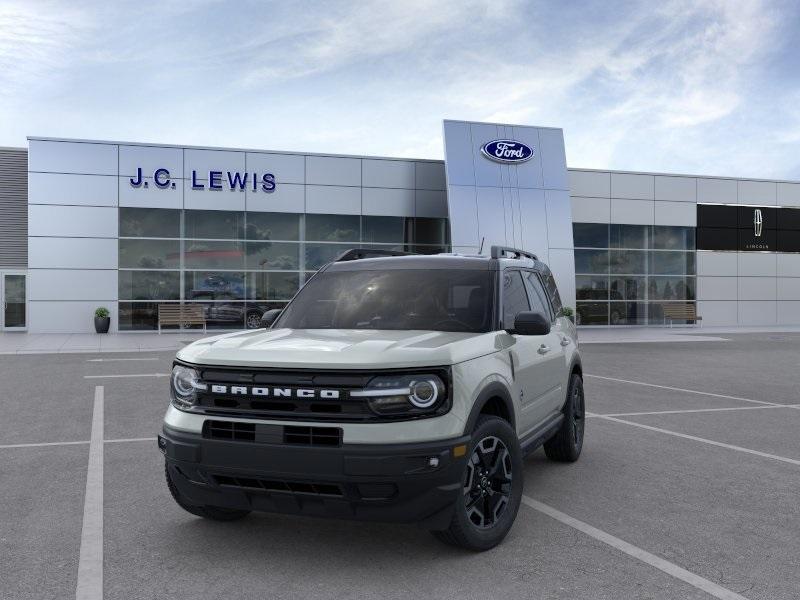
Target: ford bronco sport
{"points": [[393, 387]]}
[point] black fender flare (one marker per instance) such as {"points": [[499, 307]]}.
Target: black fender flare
{"points": [[575, 365], [495, 389]]}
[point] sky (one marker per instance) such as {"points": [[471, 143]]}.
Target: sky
{"points": [[698, 87]]}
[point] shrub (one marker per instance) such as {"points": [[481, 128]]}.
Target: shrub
{"points": [[101, 313]]}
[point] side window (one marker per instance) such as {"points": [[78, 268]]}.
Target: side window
{"points": [[537, 294], [552, 290], [515, 299]]}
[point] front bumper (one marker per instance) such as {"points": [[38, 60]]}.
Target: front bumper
{"points": [[371, 482]]}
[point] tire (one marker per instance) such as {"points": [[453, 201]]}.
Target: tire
{"points": [[214, 513], [567, 443], [494, 445], [252, 320]]}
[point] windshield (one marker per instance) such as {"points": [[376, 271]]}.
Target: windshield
{"points": [[437, 299]]}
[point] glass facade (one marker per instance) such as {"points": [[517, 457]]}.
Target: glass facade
{"points": [[237, 265], [625, 274]]}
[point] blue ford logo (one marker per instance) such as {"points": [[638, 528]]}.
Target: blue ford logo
{"points": [[507, 151]]}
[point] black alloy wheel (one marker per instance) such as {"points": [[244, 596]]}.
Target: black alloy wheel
{"points": [[491, 490], [487, 482]]}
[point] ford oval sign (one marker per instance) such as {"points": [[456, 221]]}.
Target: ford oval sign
{"points": [[507, 151]]}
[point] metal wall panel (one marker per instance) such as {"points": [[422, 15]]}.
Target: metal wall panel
{"points": [[13, 208]]}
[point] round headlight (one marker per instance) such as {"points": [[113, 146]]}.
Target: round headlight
{"points": [[185, 383], [423, 393]]}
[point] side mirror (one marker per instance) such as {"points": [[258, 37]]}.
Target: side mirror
{"points": [[531, 323], [269, 317]]}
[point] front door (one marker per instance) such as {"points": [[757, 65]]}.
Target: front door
{"points": [[14, 316], [536, 358]]}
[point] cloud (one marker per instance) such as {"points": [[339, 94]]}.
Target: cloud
{"points": [[37, 40]]}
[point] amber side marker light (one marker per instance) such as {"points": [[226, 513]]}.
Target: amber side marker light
{"points": [[459, 450]]}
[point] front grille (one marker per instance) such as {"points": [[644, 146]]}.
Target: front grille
{"points": [[293, 395], [230, 430], [280, 486], [273, 434], [312, 436]]}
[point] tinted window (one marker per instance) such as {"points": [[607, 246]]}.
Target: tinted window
{"points": [[629, 236], [552, 289], [273, 226], [590, 235], [149, 222], [333, 228], [214, 224], [591, 261], [536, 295], [436, 300], [149, 254], [515, 299], [386, 229]]}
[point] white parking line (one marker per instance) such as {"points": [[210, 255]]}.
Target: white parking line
{"points": [[691, 410], [76, 443], [120, 359], [686, 436], [676, 389], [40, 444], [126, 375], [709, 587], [90, 563]]}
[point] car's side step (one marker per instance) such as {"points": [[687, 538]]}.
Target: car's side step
{"points": [[541, 434]]}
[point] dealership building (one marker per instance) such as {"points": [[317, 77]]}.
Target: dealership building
{"points": [[137, 227]]}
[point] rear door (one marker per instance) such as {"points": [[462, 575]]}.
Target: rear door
{"points": [[535, 370]]}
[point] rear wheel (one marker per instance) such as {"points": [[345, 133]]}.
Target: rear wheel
{"points": [[216, 513], [566, 444], [491, 488]]}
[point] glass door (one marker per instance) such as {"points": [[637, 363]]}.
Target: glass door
{"points": [[12, 291]]}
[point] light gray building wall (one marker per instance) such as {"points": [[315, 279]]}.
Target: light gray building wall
{"points": [[733, 288], [524, 205], [13, 208], [78, 187]]}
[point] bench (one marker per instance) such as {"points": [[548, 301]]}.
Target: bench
{"points": [[681, 312], [181, 315]]}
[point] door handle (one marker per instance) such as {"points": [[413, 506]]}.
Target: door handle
{"points": [[543, 349], [565, 341]]}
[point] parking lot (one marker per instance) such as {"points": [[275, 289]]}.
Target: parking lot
{"points": [[688, 487]]}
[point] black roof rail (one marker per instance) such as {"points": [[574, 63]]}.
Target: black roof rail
{"points": [[501, 251], [359, 253]]}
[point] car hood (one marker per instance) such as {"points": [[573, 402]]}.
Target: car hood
{"points": [[337, 348]]}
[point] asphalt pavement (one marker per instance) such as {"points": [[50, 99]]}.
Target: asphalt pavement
{"points": [[688, 487]]}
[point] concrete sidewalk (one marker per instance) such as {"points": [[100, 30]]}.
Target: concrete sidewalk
{"points": [[630, 335], [55, 343]]}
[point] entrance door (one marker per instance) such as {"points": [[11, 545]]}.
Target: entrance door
{"points": [[12, 291]]}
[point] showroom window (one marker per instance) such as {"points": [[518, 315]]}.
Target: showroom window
{"points": [[238, 265], [625, 274]]}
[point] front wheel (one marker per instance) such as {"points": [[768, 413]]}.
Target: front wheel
{"points": [[567, 443], [491, 488]]}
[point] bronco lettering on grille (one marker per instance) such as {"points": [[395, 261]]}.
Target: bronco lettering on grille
{"points": [[275, 392]]}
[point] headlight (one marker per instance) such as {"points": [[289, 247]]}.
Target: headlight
{"points": [[185, 382], [398, 395]]}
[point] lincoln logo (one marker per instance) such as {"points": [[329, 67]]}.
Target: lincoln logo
{"points": [[758, 222], [507, 151], [274, 392]]}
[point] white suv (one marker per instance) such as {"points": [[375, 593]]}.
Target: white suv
{"points": [[393, 387]]}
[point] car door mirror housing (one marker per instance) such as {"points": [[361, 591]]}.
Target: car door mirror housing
{"points": [[531, 323], [269, 317]]}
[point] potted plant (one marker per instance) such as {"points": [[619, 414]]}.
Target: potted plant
{"points": [[101, 320], [566, 311]]}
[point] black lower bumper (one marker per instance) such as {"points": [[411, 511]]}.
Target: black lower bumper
{"points": [[402, 483]]}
